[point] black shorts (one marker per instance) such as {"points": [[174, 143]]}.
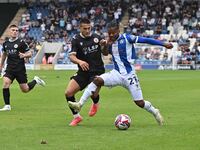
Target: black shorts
{"points": [[84, 78], [21, 76]]}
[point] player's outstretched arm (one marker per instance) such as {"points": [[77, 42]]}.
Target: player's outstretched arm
{"points": [[154, 42]]}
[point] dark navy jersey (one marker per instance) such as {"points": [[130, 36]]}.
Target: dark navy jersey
{"points": [[12, 49], [88, 49]]}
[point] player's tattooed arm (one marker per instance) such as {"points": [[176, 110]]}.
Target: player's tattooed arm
{"points": [[27, 54]]}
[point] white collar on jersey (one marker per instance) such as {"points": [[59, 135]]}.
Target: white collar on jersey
{"points": [[119, 36], [84, 36], [12, 40]]}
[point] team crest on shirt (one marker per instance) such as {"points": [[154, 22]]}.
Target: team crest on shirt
{"points": [[15, 46], [121, 41], [96, 40], [81, 43]]}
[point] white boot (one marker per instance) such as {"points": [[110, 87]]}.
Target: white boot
{"points": [[6, 108], [39, 81], [75, 105], [159, 117]]}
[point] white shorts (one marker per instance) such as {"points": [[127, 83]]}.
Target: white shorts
{"points": [[129, 81]]}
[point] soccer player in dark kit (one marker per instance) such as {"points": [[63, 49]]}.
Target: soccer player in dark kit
{"points": [[15, 50], [86, 52]]}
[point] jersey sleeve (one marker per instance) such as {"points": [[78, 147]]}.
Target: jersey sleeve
{"points": [[150, 41], [131, 38], [24, 46], [74, 47], [100, 38]]}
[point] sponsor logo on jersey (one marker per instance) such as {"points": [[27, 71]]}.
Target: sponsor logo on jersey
{"points": [[15, 46], [96, 40], [91, 49], [11, 51]]}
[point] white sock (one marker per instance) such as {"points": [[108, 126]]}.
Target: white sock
{"points": [[76, 115], [87, 93], [149, 107], [7, 106]]}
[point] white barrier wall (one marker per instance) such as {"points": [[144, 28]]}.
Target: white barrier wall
{"points": [[65, 67]]}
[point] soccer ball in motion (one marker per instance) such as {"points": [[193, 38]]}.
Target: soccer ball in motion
{"points": [[122, 122]]}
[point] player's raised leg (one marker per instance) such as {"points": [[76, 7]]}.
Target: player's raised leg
{"points": [[150, 108], [27, 87], [136, 93]]}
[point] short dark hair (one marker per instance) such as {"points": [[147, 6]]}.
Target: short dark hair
{"points": [[13, 26], [85, 20], [113, 24]]}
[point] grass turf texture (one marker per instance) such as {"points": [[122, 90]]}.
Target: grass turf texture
{"points": [[39, 119]]}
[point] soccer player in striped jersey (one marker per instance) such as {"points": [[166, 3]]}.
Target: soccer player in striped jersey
{"points": [[123, 54]]}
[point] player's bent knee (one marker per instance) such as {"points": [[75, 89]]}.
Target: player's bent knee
{"points": [[25, 90], [69, 93], [139, 103], [98, 81], [6, 85]]}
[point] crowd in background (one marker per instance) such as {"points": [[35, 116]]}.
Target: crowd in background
{"points": [[58, 21], [175, 21], [171, 20]]}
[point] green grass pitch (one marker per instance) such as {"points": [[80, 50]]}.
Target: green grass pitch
{"points": [[43, 114]]}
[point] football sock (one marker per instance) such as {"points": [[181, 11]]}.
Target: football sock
{"points": [[76, 115], [87, 93], [6, 96], [95, 99], [32, 84], [72, 99], [149, 107]]}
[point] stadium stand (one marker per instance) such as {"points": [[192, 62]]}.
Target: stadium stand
{"points": [[176, 21]]}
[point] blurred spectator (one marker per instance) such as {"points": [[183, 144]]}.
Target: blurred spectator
{"points": [[175, 20], [50, 59], [44, 60]]}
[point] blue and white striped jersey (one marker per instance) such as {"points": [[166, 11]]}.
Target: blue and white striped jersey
{"points": [[123, 51]]}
